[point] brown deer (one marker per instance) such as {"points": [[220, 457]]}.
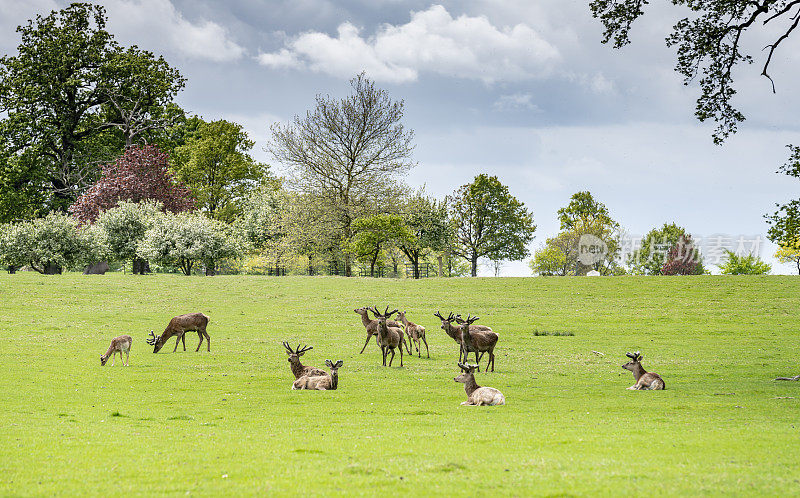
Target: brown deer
{"points": [[298, 369], [372, 327], [644, 380], [389, 338], [415, 333], [121, 344], [455, 333], [477, 395], [477, 339], [178, 327], [320, 382]]}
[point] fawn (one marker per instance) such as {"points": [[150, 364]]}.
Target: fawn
{"points": [[121, 344]]}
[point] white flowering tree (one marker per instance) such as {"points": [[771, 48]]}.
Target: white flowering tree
{"points": [[124, 227], [186, 239], [50, 244]]}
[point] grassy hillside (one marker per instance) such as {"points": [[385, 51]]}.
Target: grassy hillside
{"points": [[227, 421]]}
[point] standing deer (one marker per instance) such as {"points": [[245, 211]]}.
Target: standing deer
{"points": [[372, 327], [298, 369], [415, 333], [477, 339], [121, 344], [644, 380], [178, 327], [320, 382], [477, 395], [389, 338], [455, 333]]}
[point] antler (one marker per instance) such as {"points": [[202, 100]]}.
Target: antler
{"points": [[388, 313], [439, 315], [472, 319], [288, 347], [152, 340], [634, 356], [305, 348]]}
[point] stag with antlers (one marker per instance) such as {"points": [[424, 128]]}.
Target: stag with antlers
{"points": [[320, 382], [178, 327], [477, 395], [389, 338], [477, 339], [644, 380], [372, 327], [298, 369]]}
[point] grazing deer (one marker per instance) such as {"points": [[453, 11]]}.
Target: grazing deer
{"points": [[415, 333], [372, 327], [477, 339], [644, 379], [121, 344], [389, 338], [298, 369], [177, 327], [477, 395], [320, 382]]}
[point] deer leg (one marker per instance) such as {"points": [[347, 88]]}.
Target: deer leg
{"points": [[367, 342], [491, 359], [401, 356], [183, 339], [426, 347], [113, 358], [393, 353], [127, 358], [201, 341], [177, 342], [383, 354], [208, 341]]}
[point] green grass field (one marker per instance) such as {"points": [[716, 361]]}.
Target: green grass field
{"points": [[226, 422]]}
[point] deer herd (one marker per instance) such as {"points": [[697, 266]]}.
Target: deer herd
{"points": [[391, 336]]}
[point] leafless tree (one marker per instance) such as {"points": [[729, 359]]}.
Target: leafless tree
{"points": [[349, 152]]}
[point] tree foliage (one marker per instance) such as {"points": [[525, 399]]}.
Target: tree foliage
{"points": [[186, 239], [746, 264], [710, 44], [552, 259], [140, 173], [427, 220], [784, 224], [215, 164], [72, 97], [649, 259], [347, 152], [789, 254], [372, 235], [489, 222], [124, 227], [590, 237], [49, 244], [683, 258]]}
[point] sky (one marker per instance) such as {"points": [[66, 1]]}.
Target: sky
{"points": [[520, 89]]}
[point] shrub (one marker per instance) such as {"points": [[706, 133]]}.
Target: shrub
{"points": [[749, 264]]}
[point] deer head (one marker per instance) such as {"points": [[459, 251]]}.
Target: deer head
{"points": [[635, 363], [445, 321], [467, 373], [334, 366], [382, 317], [295, 354], [156, 341], [103, 360]]}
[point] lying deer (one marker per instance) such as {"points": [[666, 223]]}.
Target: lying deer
{"points": [[121, 344], [415, 333], [177, 327], [298, 369], [643, 378], [477, 339], [389, 338], [477, 395], [372, 327], [320, 382]]}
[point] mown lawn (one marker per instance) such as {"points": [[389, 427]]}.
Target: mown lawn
{"points": [[226, 422]]}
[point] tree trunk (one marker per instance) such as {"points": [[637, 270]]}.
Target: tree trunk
{"points": [[140, 266], [310, 266], [348, 270], [474, 265], [52, 269], [441, 267], [211, 268]]}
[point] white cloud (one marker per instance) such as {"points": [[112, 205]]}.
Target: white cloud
{"points": [[432, 41], [157, 24], [15, 13], [515, 101]]}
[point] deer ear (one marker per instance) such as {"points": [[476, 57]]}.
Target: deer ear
{"points": [[329, 363], [339, 363]]}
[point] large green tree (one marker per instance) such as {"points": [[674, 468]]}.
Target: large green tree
{"points": [[711, 41], [348, 152], [67, 96], [489, 222], [214, 162], [652, 254], [372, 235], [587, 224], [427, 220]]}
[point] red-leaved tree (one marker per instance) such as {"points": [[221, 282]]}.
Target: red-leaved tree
{"points": [[683, 258], [140, 173]]}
